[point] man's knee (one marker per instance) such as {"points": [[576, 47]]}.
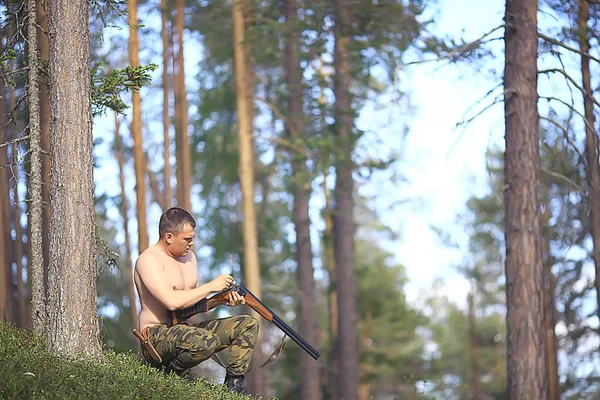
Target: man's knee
{"points": [[250, 322]]}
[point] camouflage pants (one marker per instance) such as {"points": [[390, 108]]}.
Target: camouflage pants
{"points": [[185, 346]]}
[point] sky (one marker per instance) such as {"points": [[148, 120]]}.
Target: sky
{"points": [[443, 166]]}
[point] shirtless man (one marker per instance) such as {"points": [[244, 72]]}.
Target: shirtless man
{"points": [[166, 278]]}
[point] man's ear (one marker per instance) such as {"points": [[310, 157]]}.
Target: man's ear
{"points": [[169, 238]]}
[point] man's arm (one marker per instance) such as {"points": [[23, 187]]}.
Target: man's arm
{"points": [[153, 277]]}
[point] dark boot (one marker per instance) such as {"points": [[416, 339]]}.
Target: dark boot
{"points": [[235, 383]]}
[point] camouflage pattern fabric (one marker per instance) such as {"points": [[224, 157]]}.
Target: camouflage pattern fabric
{"points": [[184, 346]]}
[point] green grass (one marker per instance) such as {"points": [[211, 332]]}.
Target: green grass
{"points": [[28, 371]]}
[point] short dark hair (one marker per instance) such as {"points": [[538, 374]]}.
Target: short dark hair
{"points": [[173, 220]]}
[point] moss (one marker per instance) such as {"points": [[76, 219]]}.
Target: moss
{"points": [[28, 371]]}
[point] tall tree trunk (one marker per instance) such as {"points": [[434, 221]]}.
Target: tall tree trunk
{"points": [[45, 132], [164, 5], [72, 298], [591, 138], [245, 125], [310, 383], [344, 229], [183, 144], [364, 386], [473, 350], [37, 260], [526, 352], [4, 211], [549, 311], [24, 314], [333, 297], [125, 215], [136, 132]]}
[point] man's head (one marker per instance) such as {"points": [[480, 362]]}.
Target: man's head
{"points": [[176, 229]]}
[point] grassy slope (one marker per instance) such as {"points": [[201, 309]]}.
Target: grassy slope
{"points": [[27, 371]]}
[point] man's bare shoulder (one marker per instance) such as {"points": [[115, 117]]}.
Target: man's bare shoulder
{"points": [[148, 258]]}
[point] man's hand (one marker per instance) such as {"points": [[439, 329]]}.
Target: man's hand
{"points": [[235, 299], [221, 283]]}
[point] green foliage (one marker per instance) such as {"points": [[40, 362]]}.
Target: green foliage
{"points": [[107, 89], [29, 372]]}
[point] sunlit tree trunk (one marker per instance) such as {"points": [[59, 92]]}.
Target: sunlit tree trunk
{"points": [[136, 132], [183, 142], [72, 327], [35, 181], [245, 126], [526, 351], [125, 216], [344, 229], [591, 138], [166, 118], [310, 383]]}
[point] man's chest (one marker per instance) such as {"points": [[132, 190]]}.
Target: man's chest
{"points": [[180, 276]]}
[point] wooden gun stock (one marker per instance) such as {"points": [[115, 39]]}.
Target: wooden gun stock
{"points": [[175, 317]]}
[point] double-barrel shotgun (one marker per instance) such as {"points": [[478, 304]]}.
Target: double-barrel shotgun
{"points": [[175, 317]]}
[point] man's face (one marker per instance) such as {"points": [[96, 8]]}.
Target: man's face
{"points": [[180, 243]]}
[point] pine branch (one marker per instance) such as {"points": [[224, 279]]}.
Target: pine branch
{"points": [[564, 46], [457, 53], [13, 141], [569, 78]]}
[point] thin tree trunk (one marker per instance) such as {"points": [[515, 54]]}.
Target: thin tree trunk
{"points": [[183, 145], [333, 306], [4, 213], [309, 368], [166, 119], [24, 314], [526, 352], [125, 215], [37, 259], [72, 327], [136, 132], [364, 386], [244, 97], [473, 351], [45, 138], [591, 139], [549, 311], [344, 228]]}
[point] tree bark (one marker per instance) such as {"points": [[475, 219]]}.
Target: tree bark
{"points": [[245, 125], [183, 144], [136, 132], [36, 264], [475, 389], [309, 368], [526, 352], [42, 18], [125, 215], [591, 139], [72, 327], [166, 119], [344, 228], [4, 212]]}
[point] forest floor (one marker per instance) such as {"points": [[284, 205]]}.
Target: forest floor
{"points": [[28, 371]]}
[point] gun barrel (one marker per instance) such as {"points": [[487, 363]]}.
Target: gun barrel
{"points": [[278, 322]]}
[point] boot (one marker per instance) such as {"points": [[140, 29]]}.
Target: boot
{"points": [[235, 383]]}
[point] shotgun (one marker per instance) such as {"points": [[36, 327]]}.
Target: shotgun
{"points": [[175, 317]]}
